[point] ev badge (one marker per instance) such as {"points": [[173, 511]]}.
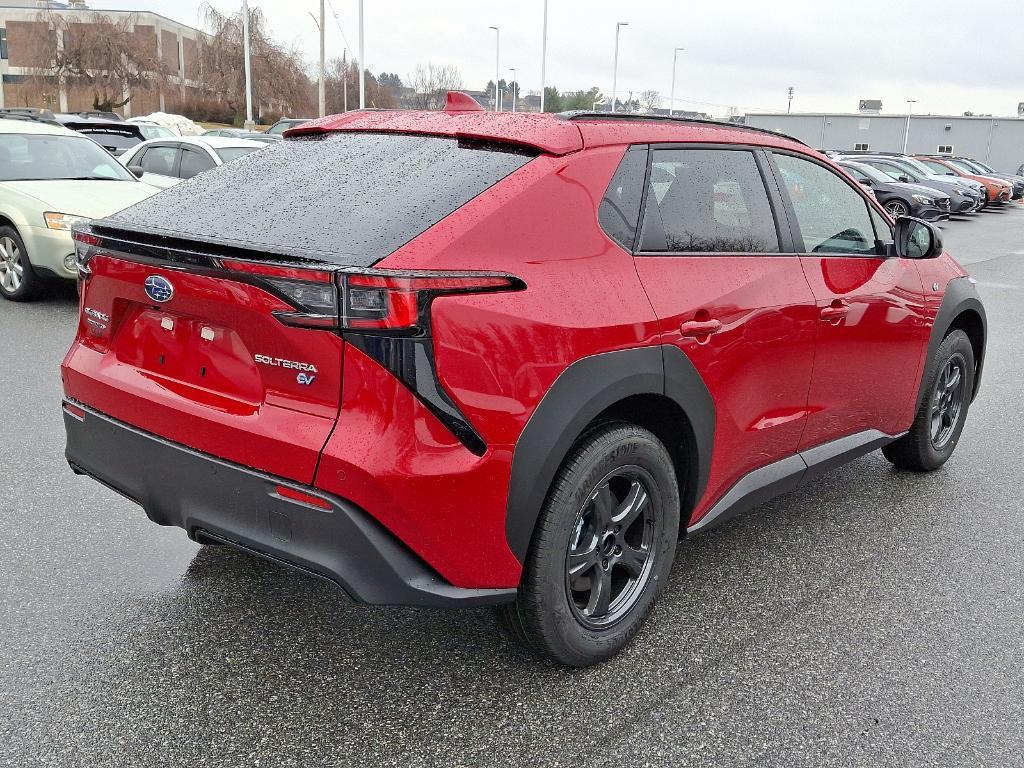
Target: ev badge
{"points": [[305, 379]]}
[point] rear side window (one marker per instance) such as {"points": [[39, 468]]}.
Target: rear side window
{"points": [[350, 198], [194, 162], [703, 200], [159, 160], [832, 216], [227, 154], [620, 206]]}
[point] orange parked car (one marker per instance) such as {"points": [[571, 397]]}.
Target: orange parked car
{"points": [[996, 190]]}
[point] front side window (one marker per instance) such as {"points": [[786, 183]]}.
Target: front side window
{"points": [[620, 206], [707, 201], [832, 216], [193, 163], [159, 160]]}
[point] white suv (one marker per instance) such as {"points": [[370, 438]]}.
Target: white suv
{"points": [[50, 179]]}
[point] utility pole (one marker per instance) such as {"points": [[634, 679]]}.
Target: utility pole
{"points": [[344, 80], [514, 87], [672, 98], [615, 62], [543, 54], [248, 70], [789, 106], [362, 61]]}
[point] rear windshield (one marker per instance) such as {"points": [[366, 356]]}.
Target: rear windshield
{"points": [[349, 198], [111, 138]]}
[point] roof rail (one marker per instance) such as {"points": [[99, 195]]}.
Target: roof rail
{"points": [[632, 116], [44, 116]]}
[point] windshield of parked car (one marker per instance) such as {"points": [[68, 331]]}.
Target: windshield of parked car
{"points": [[866, 170], [284, 125], [227, 154], [983, 167], [914, 165], [962, 166], [156, 132], [48, 157]]}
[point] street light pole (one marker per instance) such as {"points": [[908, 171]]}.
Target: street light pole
{"points": [[513, 89], [672, 98], [543, 54], [323, 71], [362, 61], [248, 71], [615, 63], [344, 80], [497, 63], [906, 131], [320, 87]]}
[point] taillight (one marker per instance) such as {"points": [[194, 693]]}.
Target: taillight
{"points": [[85, 246], [400, 302], [312, 292]]}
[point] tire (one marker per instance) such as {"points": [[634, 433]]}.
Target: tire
{"points": [[588, 583], [943, 411], [18, 282], [896, 208]]}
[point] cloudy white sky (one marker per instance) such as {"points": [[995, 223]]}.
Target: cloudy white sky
{"points": [[949, 55]]}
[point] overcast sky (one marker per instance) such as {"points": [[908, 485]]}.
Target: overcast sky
{"points": [[950, 56]]}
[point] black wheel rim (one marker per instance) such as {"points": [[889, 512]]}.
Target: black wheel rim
{"points": [[611, 551], [947, 401], [896, 208]]}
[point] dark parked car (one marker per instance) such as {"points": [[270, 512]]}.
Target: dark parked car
{"points": [[115, 136], [898, 198], [359, 374], [285, 123], [979, 167], [966, 196]]}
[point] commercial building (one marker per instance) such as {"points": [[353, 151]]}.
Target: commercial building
{"points": [[998, 141], [25, 83]]}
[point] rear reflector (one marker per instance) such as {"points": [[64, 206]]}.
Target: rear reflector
{"points": [[74, 410], [303, 498]]}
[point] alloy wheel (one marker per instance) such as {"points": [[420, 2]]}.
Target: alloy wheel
{"points": [[947, 401], [896, 208], [610, 555], [12, 270]]}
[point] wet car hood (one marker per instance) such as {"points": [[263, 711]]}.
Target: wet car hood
{"points": [[90, 198]]}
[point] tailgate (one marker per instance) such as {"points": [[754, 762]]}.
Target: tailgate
{"points": [[199, 357]]}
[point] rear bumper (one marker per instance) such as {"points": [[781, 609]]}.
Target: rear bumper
{"points": [[218, 501]]}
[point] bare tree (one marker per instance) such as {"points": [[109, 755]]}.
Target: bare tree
{"points": [[280, 83], [96, 51], [343, 77], [650, 100], [430, 84]]}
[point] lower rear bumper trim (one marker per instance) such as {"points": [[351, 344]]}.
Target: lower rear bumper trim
{"points": [[215, 500]]}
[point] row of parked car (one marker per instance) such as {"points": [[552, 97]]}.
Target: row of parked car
{"points": [[930, 187], [57, 170]]}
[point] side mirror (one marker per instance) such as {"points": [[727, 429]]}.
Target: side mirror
{"points": [[917, 239], [866, 182], [136, 170], [904, 179]]}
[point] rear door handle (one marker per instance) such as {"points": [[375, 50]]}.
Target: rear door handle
{"points": [[837, 310], [700, 327]]}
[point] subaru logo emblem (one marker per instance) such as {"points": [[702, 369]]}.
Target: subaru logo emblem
{"points": [[159, 288]]}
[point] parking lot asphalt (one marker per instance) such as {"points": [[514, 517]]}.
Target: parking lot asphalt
{"points": [[875, 618]]}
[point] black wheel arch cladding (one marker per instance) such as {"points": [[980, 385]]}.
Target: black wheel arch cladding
{"points": [[580, 394], [960, 299]]}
